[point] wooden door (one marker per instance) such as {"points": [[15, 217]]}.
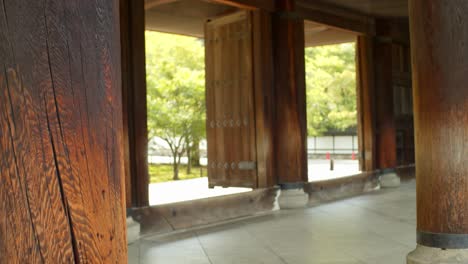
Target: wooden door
{"points": [[230, 101]]}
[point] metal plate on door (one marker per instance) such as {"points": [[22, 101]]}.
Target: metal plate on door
{"points": [[247, 165]]}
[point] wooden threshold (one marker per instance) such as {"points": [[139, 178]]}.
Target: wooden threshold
{"points": [[163, 220]]}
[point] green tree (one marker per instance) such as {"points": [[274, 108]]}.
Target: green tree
{"points": [[175, 76], [331, 88]]}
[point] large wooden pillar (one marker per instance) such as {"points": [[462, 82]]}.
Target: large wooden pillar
{"points": [[61, 155], [290, 98], [264, 96], [440, 81], [365, 102], [385, 118]]}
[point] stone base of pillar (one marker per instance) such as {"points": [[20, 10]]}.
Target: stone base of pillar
{"points": [[133, 228], [292, 196], [428, 255], [389, 179]]}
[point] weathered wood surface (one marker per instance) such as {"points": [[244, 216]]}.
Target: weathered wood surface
{"points": [[61, 170], [440, 80], [365, 102], [290, 95], [230, 103], [264, 94], [134, 102], [336, 189], [192, 214]]}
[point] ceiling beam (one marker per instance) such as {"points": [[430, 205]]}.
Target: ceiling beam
{"points": [[336, 17], [268, 5], [153, 3]]}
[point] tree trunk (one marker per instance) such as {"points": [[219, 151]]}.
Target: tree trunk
{"points": [[176, 167], [195, 153], [189, 159]]}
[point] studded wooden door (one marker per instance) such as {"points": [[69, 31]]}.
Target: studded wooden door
{"points": [[230, 101]]}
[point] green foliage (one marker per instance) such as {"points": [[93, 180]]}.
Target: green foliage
{"points": [[175, 75], [176, 90], [331, 88], [164, 173]]}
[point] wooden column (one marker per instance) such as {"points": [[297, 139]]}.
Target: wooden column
{"points": [[61, 156], [384, 114], [264, 94], [134, 102], [290, 97], [440, 82], [365, 102]]}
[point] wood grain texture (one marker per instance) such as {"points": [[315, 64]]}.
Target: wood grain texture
{"points": [[440, 80], [61, 170], [264, 97], [134, 103], [202, 212], [290, 99], [365, 84], [231, 126]]}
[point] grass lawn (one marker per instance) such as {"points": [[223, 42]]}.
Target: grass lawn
{"points": [[164, 173]]}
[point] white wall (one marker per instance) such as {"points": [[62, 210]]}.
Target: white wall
{"points": [[159, 151]]}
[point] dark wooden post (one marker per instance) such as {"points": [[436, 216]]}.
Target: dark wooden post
{"points": [[264, 94], [290, 97], [61, 156], [134, 102], [385, 118], [365, 102], [440, 81]]}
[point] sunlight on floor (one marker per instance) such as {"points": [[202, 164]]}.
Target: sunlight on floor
{"points": [[186, 190], [319, 170]]}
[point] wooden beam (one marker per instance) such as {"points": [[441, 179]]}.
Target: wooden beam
{"points": [[61, 155], [154, 3], [335, 17], [267, 5], [167, 218], [134, 102]]}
